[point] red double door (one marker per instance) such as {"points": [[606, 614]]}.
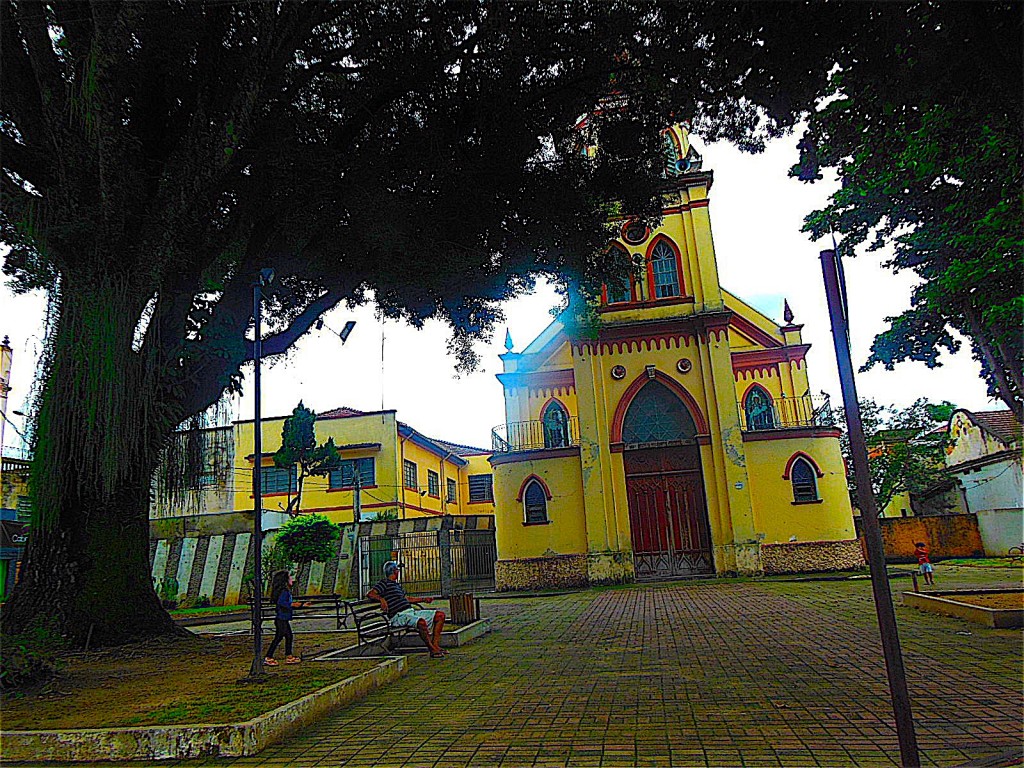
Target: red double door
{"points": [[668, 515]]}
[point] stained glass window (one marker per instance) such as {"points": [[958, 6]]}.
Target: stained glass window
{"points": [[536, 503], [656, 415], [663, 265], [758, 407], [556, 426], [802, 476]]}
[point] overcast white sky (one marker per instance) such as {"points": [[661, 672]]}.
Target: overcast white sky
{"points": [[756, 215]]}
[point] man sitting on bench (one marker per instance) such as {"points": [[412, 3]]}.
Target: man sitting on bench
{"points": [[399, 610]]}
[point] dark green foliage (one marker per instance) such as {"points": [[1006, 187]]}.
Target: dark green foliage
{"points": [[905, 447], [298, 446], [309, 538], [158, 154], [924, 127]]}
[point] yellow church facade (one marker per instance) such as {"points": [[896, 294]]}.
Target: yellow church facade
{"points": [[678, 437]]}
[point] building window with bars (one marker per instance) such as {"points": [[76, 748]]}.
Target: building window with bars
{"points": [[804, 480], [278, 480], [433, 483], [345, 475], [535, 504], [481, 489], [409, 475], [453, 487]]}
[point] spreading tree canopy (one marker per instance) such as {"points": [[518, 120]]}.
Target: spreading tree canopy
{"points": [[156, 155], [923, 120]]}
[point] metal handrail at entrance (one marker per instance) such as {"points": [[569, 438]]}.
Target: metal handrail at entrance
{"points": [[535, 435], [787, 413]]}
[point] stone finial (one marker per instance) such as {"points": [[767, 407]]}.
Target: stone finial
{"points": [[508, 340], [787, 313], [6, 342]]}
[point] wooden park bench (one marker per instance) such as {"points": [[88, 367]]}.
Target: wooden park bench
{"points": [[372, 625], [321, 607]]}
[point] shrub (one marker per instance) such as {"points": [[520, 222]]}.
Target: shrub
{"points": [[308, 538]]}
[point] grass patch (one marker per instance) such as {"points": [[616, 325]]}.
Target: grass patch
{"points": [[175, 681], [213, 609]]}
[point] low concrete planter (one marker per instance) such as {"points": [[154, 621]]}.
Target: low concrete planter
{"points": [[173, 742], [945, 603]]}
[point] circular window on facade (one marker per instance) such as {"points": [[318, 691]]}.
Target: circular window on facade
{"points": [[634, 232], [618, 371], [683, 365]]}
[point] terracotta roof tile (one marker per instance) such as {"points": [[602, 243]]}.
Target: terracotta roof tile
{"points": [[1002, 424], [340, 413]]}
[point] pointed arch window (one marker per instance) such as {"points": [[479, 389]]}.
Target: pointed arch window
{"points": [[556, 425], [535, 503], [758, 408], [804, 481], [656, 415], [664, 271]]}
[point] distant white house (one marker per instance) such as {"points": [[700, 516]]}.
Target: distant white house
{"points": [[984, 458]]}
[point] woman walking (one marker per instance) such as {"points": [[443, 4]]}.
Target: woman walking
{"points": [[281, 596]]}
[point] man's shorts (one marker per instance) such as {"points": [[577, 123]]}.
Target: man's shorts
{"points": [[410, 616], [925, 568]]}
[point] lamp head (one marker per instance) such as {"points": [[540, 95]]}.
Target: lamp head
{"points": [[266, 276], [346, 330]]}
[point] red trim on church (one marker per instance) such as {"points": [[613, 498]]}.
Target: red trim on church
{"points": [[673, 385], [526, 482], [752, 332], [801, 455], [767, 361]]}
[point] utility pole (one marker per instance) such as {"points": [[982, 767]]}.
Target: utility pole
{"points": [[835, 293], [357, 502], [265, 277]]}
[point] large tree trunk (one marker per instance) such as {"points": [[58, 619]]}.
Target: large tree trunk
{"points": [[86, 571]]}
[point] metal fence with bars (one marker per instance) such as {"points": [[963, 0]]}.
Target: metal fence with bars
{"points": [[444, 562], [535, 435]]}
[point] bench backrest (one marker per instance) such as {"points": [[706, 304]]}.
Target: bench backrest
{"points": [[371, 622]]}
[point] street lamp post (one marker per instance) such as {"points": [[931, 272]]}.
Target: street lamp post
{"points": [[266, 276], [835, 293]]}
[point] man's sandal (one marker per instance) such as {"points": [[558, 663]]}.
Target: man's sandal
{"points": [[293, 660], [269, 662]]}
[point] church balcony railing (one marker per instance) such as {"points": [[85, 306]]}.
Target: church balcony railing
{"points": [[788, 413], [535, 435]]}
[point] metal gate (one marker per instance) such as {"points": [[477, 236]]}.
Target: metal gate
{"points": [[446, 562], [668, 516]]}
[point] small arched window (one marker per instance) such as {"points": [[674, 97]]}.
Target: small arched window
{"points": [[535, 503], [804, 480], [758, 407], [663, 270], [556, 425]]}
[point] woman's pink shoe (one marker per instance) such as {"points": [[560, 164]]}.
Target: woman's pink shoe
{"points": [[269, 662], [293, 660]]}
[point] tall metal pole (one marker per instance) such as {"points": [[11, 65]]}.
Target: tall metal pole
{"points": [[835, 293], [257, 492]]}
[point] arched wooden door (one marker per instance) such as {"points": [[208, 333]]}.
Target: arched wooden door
{"points": [[668, 517]]}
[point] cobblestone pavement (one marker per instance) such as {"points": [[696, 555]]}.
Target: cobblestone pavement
{"points": [[727, 673]]}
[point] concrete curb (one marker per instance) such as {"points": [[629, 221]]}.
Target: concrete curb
{"points": [[945, 603], [186, 741]]}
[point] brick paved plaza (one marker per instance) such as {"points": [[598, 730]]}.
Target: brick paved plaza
{"points": [[756, 673]]}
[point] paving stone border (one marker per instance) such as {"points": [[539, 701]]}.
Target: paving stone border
{"points": [[190, 741]]}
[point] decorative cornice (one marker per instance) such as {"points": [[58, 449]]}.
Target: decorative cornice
{"points": [[513, 457], [641, 335], [767, 361], [790, 433], [561, 380]]}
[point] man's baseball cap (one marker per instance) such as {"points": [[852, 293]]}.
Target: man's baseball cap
{"points": [[391, 567]]}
